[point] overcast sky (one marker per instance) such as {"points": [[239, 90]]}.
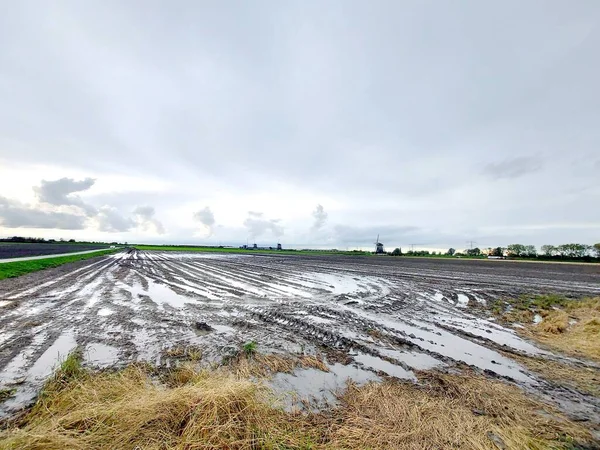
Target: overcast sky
{"points": [[310, 123]]}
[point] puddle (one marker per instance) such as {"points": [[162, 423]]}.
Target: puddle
{"points": [[492, 331], [52, 357], [441, 341], [379, 364], [463, 301], [223, 329], [313, 384], [537, 319], [417, 361], [105, 312], [101, 355]]}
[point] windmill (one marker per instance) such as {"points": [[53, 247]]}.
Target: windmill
{"points": [[378, 246]]}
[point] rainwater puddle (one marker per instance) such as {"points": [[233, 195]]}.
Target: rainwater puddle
{"points": [[313, 384], [160, 294], [379, 364], [52, 357], [463, 301], [223, 329], [101, 355], [492, 331], [15, 368], [451, 345], [418, 361]]}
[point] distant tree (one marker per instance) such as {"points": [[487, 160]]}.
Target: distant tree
{"points": [[71, 240], [397, 252], [498, 251], [516, 250], [451, 251], [573, 250], [434, 253], [549, 250], [530, 251], [596, 248], [473, 251]]}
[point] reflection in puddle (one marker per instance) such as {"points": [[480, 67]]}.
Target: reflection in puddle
{"points": [[382, 365], [313, 384], [101, 355]]}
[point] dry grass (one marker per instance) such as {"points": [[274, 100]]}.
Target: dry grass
{"points": [[219, 410], [578, 377], [441, 415], [189, 352], [555, 322], [261, 365], [581, 338]]}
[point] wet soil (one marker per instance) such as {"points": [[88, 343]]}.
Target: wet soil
{"points": [[385, 316]]}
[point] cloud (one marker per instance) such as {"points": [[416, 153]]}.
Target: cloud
{"points": [[145, 219], [60, 193], [513, 168], [16, 215], [257, 225], [207, 218], [320, 217], [110, 220]]}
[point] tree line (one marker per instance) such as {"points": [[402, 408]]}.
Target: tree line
{"points": [[582, 252]]}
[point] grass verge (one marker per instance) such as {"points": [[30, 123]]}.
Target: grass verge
{"points": [[225, 408], [16, 269], [568, 325]]}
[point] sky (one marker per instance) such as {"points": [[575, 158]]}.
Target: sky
{"points": [[310, 123]]}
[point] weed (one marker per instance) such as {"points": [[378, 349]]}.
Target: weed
{"points": [[6, 393], [249, 348], [194, 353]]}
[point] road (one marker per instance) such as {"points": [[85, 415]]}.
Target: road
{"points": [[31, 258]]}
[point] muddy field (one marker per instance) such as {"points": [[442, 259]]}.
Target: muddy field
{"points": [[371, 317], [18, 250]]}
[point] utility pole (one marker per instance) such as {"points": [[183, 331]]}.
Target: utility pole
{"points": [[412, 247], [471, 242]]}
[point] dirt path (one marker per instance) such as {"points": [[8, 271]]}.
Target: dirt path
{"points": [[388, 316]]}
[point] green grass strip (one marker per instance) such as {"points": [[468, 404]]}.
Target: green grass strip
{"points": [[18, 268]]}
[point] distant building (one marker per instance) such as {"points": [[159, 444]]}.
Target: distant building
{"points": [[378, 246]]}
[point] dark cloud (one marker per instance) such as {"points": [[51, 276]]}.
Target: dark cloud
{"points": [[146, 220], [257, 225], [16, 215], [513, 168], [320, 217], [60, 193]]}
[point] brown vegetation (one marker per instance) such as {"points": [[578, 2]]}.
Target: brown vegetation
{"points": [[570, 326], [221, 408]]}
